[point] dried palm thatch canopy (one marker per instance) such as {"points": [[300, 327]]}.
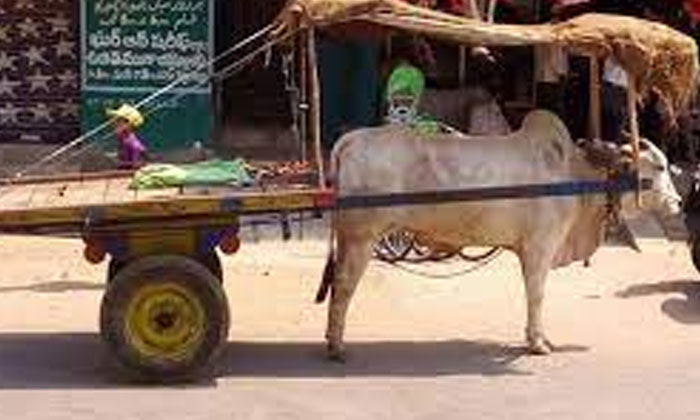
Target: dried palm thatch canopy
{"points": [[657, 57]]}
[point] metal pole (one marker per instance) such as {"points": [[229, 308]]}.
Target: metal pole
{"points": [[634, 124], [316, 107], [492, 11], [304, 97], [594, 106]]}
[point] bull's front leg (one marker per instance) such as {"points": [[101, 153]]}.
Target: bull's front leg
{"points": [[353, 256], [535, 266]]}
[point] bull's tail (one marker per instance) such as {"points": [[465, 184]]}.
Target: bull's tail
{"points": [[329, 270]]}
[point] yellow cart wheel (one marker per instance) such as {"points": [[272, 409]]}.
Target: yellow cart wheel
{"points": [[164, 316]]}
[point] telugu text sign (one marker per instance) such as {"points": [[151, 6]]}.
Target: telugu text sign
{"points": [[132, 49]]}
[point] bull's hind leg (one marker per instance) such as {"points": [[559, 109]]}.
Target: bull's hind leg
{"points": [[353, 256]]}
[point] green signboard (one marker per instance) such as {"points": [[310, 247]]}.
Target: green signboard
{"points": [[131, 49]]}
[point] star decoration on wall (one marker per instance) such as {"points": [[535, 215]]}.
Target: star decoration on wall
{"points": [[41, 112], [29, 27], [68, 79], [60, 24], [65, 48], [8, 86], [35, 56], [7, 62], [39, 70], [5, 33], [39, 81], [69, 110], [9, 114], [24, 4]]}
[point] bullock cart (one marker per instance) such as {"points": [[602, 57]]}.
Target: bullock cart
{"points": [[164, 313]]}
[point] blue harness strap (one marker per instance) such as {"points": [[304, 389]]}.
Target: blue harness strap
{"points": [[621, 184]]}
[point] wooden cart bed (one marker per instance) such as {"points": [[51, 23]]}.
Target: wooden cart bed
{"points": [[72, 202]]}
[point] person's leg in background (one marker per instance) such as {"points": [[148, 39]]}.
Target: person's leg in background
{"points": [[364, 84]]}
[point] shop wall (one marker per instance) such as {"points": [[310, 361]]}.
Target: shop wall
{"points": [[39, 70]]}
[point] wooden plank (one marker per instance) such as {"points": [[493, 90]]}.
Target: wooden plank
{"points": [[46, 194], [15, 196], [159, 194], [119, 192], [127, 212], [105, 193], [264, 202], [83, 176], [78, 193]]}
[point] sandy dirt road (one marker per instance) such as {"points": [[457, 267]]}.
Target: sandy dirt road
{"points": [[627, 330]]}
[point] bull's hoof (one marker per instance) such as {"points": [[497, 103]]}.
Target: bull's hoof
{"points": [[540, 346], [335, 353]]}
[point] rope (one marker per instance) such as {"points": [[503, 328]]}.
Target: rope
{"points": [[472, 269], [79, 140]]}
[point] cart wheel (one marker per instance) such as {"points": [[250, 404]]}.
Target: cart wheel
{"points": [[164, 316], [115, 266], [212, 261], [695, 253]]}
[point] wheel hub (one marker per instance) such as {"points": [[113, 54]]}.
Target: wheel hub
{"points": [[165, 321]]}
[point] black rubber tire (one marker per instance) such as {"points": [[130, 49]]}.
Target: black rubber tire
{"points": [[169, 270], [695, 252], [210, 260], [115, 266], [213, 263]]}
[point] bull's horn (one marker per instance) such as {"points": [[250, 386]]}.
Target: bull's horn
{"points": [[645, 144]]}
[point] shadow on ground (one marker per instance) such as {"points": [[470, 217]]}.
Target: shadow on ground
{"points": [[60, 286], [80, 361], [684, 307]]}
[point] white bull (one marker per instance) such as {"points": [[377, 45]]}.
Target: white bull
{"points": [[544, 232]]}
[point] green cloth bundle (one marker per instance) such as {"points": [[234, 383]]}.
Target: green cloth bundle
{"points": [[211, 172]]}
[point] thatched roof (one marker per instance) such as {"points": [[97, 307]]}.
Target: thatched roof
{"points": [[659, 57]]}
